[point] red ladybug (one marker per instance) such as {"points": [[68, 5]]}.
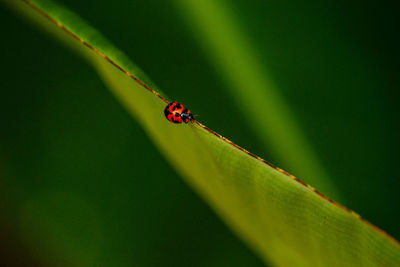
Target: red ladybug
{"points": [[175, 112]]}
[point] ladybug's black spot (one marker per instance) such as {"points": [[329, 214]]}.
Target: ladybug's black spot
{"points": [[176, 106], [177, 115]]}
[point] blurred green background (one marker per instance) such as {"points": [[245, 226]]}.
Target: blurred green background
{"points": [[81, 183]]}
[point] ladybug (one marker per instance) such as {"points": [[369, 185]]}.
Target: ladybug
{"points": [[176, 113]]}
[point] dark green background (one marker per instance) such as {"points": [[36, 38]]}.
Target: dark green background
{"points": [[81, 183]]}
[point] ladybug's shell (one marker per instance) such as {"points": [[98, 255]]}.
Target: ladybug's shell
{"points": [[173, 112]]}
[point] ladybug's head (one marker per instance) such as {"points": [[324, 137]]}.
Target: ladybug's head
{"points": [[187, 116]]}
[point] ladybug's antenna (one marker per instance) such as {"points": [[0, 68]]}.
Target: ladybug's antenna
{"points": [[192, 116]]}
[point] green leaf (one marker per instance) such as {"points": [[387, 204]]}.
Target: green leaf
{"points": [[253, 90], [285, 221]]}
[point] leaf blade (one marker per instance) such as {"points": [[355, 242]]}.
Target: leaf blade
{"points": [[253, 90]]}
